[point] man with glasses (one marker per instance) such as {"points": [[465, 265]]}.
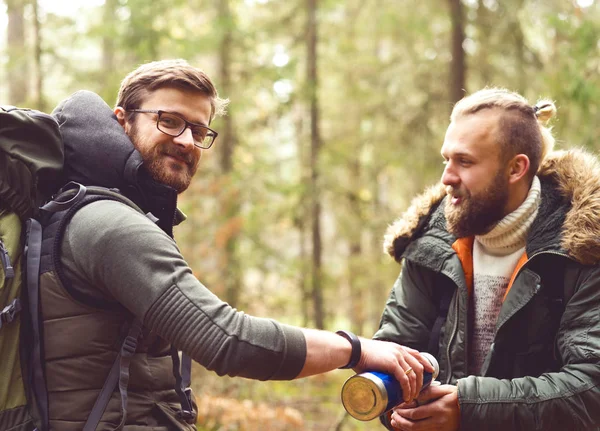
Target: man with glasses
{"points": [[116, 273]]}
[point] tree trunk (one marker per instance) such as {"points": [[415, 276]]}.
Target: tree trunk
{"points": [[227, 140], [357, 297], [522, 80], [356, 269], [40, 101], [484, 23], [356, 275], [457, 66], [301, 219], [315, 147], [17, 58], [108, 40]]}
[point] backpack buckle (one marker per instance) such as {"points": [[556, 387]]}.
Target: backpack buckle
{"points": [[8, 313], [9, 271], [129, 346], [187, 416]]}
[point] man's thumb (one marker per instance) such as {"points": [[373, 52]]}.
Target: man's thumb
{"points": [[431, 393]]}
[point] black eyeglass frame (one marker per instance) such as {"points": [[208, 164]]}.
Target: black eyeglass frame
{"points": [[188, 124]]}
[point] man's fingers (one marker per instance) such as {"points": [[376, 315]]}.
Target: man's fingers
{"points": [[423, 361], [412, 377], [414, 414], [432, 393], [403, 377], [417, 368]]}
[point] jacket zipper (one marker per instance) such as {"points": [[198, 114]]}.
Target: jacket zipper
{"points": [[454, 331], [456, 315], [9, 271]]}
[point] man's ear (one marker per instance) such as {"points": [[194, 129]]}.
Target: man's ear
{"points": [[120, 113], [518, 168]]}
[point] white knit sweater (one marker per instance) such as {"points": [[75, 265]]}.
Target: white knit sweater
{"points": [[495, 256]]}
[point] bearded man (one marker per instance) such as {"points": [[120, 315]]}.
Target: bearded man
{"points": [[501, 276]]}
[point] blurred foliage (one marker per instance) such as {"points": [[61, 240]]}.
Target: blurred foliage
{"points": [[384, 100]]}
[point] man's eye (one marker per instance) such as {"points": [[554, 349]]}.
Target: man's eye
{"points": [[465, 162], [170, 122], [199, 133]]}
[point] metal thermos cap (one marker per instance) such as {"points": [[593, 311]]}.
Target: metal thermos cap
{"points": [[364, 396], [433, 362]]}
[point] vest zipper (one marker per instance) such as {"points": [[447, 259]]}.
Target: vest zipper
{"points": [[9, 271]]}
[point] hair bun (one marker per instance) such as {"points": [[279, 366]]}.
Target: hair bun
{"points": [[544, 110]]}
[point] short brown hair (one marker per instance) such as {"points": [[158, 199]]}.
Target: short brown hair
{"points": [[168, 73], [522, 126]]}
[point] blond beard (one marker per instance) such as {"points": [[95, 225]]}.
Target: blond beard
{"points": [[478, 214]]}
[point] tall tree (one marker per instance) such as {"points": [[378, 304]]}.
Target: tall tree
{"points": [[39, 101], [483, 23], [315, 148], [108, 37], [457, 65], [17, 59], [230, 203]]}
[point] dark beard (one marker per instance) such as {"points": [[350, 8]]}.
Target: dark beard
{"points": [[477, 215]]}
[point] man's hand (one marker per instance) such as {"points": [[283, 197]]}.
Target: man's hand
{"points": [[435, 409], [326, 351], [405, 364]]}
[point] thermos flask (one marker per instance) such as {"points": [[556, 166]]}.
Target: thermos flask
{"points": [[370, 394]]}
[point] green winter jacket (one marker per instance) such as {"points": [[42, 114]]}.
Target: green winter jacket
{"points": [[543, 368]]}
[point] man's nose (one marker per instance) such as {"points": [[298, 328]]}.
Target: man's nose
{"points": [[185, 140], [449, 176]]}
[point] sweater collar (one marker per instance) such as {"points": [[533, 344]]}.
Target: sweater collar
{"points": [[510, 233]]}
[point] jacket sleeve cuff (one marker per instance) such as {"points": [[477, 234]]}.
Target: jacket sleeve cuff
{"points": [[295, 354]]}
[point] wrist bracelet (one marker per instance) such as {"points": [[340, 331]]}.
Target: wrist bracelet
{"points": [[356, 350]]}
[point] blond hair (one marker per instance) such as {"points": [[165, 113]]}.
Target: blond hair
{"points": [[523, 127], [150, 77]]}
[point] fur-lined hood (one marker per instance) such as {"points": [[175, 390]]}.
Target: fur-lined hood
{"points": [[575, 175]]}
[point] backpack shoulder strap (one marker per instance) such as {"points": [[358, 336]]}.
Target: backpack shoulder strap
{"points": [[67, 203], [36, 378], [77, 197], [70, 201], [182, 370], [119, 374]]}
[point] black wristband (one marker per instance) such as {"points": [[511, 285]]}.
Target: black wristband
{"points": [[355, 343]]}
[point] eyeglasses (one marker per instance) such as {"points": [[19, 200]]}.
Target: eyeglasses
{"points": [[174, 125]]}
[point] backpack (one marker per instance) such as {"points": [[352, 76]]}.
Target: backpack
{"points": [[31, 160], [31, 173]]}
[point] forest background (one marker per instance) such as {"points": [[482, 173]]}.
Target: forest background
{"points": [[337, 115]]}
